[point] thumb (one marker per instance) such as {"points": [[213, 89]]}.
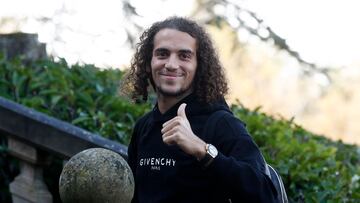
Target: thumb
{"points": [[181, 111]]}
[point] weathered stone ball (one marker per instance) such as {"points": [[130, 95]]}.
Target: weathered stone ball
{"points": [[96, 175]]}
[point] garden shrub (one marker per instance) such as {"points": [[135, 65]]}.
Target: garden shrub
{"points": [[313, 168]]}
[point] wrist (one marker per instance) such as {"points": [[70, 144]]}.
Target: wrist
{"points": [[201, 152]]}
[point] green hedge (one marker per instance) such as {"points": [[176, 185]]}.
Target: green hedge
{"points": [[82, 95], [314, 168]]}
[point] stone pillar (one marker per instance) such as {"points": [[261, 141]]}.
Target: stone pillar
{"points": [[24, 45], [29, 186]]}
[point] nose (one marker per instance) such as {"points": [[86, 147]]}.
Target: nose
{"points": [[172, 63]]}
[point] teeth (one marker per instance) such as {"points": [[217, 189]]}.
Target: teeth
{"points": [[171, 75]]}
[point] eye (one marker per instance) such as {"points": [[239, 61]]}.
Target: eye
{"points": [[161, 53], [185, 56]]}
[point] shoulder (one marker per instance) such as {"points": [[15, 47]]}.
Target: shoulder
{"points": [[227, 120], [231, 136], [139, 125], [142, 120]]}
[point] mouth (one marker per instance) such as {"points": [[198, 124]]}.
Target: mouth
{"points": [[171, 75]]}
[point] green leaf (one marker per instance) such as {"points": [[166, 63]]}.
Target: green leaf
{"points": [[55, 99], [80, 120]]}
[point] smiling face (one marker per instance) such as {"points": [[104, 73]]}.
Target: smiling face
{"points": [[173, 63]]}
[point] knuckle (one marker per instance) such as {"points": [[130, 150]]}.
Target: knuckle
{"points": [[177, 121]]}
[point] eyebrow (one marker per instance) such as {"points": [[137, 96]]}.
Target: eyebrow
{"points": [[187, 51], [160, 50]]}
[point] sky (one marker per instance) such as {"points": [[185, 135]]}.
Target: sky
{"points": [[324, 32]]}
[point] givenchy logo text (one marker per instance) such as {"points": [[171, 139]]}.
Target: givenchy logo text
{"points": [[155, 163]]}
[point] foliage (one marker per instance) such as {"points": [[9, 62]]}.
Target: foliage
{"points": [[314, 168], [82, 95]]}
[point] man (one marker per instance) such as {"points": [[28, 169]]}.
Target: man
{"points": [[171, 158]]}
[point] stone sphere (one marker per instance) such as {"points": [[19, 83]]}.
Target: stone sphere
{"points": [[96, 175]]}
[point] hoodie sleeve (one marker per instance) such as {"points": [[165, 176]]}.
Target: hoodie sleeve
{"points": [[239, 166], [132, 148], [132, 151], [132, 157]]}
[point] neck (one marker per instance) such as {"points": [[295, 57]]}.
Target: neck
{"points": [[166, 102]]}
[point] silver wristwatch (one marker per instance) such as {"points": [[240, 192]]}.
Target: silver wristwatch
{"points": [[211, 153]]}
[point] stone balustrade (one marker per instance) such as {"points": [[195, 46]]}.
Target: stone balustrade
{"points": [[32, 137]]}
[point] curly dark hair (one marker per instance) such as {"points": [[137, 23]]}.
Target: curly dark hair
{"points": [[209, 82]]}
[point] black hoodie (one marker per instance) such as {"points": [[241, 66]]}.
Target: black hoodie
{"points": [[166, 174]]}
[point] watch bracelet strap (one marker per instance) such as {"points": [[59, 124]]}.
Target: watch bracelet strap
{"points": [[206, 161]]}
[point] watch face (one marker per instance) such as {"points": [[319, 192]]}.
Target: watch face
{"points": [[212, 151]]}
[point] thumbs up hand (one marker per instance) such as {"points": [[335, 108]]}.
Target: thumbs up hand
{"points": [[177, 131]]}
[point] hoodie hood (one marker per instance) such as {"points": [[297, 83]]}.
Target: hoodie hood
{"points": [[193, 108]]}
